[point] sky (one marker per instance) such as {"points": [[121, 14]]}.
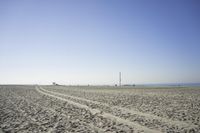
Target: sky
{"points": [[91, 41]]}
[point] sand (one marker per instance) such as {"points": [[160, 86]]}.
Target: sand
{"points": [[95, 109]]}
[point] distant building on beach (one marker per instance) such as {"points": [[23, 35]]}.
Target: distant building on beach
{"points": [[54, 83]]}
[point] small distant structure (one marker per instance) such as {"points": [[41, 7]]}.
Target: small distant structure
{"points": [[120, 79], [129, 85], [54, 83]]}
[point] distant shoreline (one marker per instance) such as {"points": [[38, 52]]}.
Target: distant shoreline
{"points": [[129, 85], [172, 85]]}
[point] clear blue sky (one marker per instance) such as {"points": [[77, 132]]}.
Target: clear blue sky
{"points": [[90, 41]]}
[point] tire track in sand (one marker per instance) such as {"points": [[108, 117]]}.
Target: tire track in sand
{"points": [[136, 126], [163, 120]]}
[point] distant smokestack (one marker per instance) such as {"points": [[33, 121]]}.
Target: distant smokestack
{"points": [[120, 80]]}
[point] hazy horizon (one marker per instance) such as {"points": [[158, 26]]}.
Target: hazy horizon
{"points": [[91, 41]]}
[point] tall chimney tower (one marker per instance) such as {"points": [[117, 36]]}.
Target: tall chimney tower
{"points": [[120, 80]]}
